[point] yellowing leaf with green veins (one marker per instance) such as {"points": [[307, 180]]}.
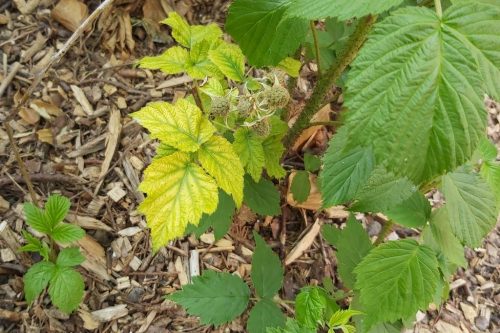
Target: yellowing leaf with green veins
{"points": [[178, 192], [180, 125], [219, 159], [230, 60], [290, 66], [248, 146], [187, 35], [172, 61], [213, 88], [199, 65]]}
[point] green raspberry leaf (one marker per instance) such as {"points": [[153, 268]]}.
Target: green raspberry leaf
{"points": [[395, 280], [69, 257], [37, 278], [273, 148], [267, 271], [263, 315], [470, 205], [35, 245], [230, 60], [66, 289], [413, 212], [353, 245], [291, 326], [331, 234], [248, 146], [263, 33], [36, 218], [309, 307], [67, 233], [210, 295], [262, 198], [56, 208], [344, 173], [342, 9], [490, 172], [312, 163], [301, 186], [420, 123]]}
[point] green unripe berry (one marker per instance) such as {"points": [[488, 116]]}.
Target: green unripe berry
{"points": [[245, 107], [220, 106], [262, 128], [277, 97]]}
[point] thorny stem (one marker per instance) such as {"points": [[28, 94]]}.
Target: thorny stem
{"points": [[330, 77], [439, 9], [386, 229], [316, 46]]}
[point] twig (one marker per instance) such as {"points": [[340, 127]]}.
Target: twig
{"points": [[330, 77], [316, 46], [5, 83], [12, 315], [43, 178]]}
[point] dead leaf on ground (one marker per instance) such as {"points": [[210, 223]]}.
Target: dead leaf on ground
{"points": [[70, 13], [309, 133]]}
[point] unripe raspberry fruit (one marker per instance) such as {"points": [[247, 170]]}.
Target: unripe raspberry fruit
{"points": [[277, 97], [262, 128], [220, 106], [245, 107]]}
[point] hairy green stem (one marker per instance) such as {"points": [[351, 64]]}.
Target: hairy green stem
{"points": [[439, 9], [316, 47], [330, 77], [386, 230], [197, 95]]}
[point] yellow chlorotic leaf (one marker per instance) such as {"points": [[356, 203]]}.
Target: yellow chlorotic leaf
{"points": [[172, 61], [210, 32], [248, 146], [181, 31], [290, 66], [219, 159], [178, 192], [230, 60], [199, 65], [213, 88], [181, 125]]}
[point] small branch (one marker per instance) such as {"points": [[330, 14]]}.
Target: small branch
{"points": [[386, 230], [316, 46], [9, 78], [197, 95], [330, 77], [439, 9], [41, 177]]}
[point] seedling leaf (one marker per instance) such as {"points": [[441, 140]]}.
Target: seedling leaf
{"points": [[37, 278], [67, 233], [66, 289], [69, 257]]}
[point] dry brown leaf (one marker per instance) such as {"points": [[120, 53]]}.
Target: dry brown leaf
{"points": [[4, 19], [46, 110], [305, 243], [70, 13], [310, 132], [30, 116]]}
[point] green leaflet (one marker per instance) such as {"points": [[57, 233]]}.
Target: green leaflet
{"points": [[37, 278], [248, 146], [291, 326], [396, 286], [209, 295], [265, 314], [262, 198], [414, 93], [470, 205], [263, 33], [301, 186], [352, 245], [343, 9], [309, 307], [412, 212], [267, 272], [66, 289]]}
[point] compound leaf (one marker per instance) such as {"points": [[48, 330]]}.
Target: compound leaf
{"points": [[344, 174], [66, 289], [230, 60], [309, 307], [69, 257], [187, 35], [178, 192], [248, 146], [353, 245], [35, 245], [56, 208], [218, 158], [342, 9], [37, 278], [396, 279], [262, 198], [199, 65], [66, 233], [263, 33], [470, 205], [421, 123], [301, 186], [263, 315], [267, 271], [210, 294], [180, 125]]}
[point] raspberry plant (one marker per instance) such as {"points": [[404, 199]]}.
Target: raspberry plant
{"points": [[414, 122], [56, 269]]}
